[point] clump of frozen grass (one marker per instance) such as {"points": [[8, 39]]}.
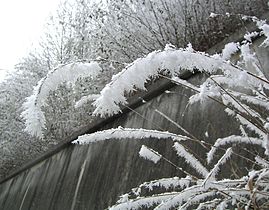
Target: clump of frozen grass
{"points": [[224, 85]]}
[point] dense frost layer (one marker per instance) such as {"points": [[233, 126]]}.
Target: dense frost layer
{"points": [[229, 50], [33, 115], [126, 133], [189, 158], [135, 75], [231, 140]]}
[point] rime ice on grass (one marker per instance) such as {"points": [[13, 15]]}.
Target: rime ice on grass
{"points": [[149, 154], [225, 86], [135, 75], [189, 158], [231, 140], [127, 133], [229, 50]]}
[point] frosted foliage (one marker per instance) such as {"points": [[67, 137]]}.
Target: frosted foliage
{"points": [[34, 117], [256, 100], [196, 164], [250, 60], [66, 73], [145, 202], [212, 174], [207, 89], [238, 79], [197, 199], [135, 75], [249, 36], [164, 183], [185, 83], [265, 29], [229, 50], [252, 127], [199, 192], [180, 198], [126, 133], [231, 140], [149, 154], [241, 107]]}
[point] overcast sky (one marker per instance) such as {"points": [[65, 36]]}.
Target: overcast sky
{"points": [[21, 23]]}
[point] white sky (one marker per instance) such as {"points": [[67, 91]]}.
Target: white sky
{"points": [[21, 25]]}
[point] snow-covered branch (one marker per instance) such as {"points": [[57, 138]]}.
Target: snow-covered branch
{"points": [[127, 133], [32, 114], [143, 201], [214, 171], [232, 140], [189, 158], [166, 183]]}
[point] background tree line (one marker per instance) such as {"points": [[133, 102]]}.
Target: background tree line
{"points": [[116, 32]]}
